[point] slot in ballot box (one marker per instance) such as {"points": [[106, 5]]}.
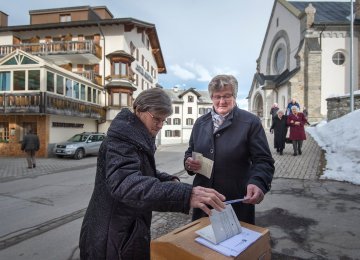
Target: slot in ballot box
{"points": [[180, 244]]}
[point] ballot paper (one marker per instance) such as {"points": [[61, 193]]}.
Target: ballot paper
{"points": [[225, 234], [234, 245], [224, 224], [206, 164]]}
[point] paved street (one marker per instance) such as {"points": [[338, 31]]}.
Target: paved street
{"points": [[308, 218]]}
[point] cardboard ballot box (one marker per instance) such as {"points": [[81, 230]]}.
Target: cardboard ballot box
{"points": [[180, 244]]}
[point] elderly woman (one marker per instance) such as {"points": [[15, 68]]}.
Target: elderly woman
{"points": [[279, 128], [296, 121], [235, 141], [128, 187]]}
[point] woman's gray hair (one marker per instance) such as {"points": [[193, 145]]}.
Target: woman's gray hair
{"points": [[220, 82], [297, 109], [153, 100], [280, 111]]}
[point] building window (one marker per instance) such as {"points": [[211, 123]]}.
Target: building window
{"points": [[143, 37], [280, 60], [5, 81], [50, 84], [19, 80], [168, 133], [168, 121], [65, 18], [189, 121], [142, 60], [82, 92], [201, 111], [190, 99], [76, 90], [89, 94], [177, 121], [189, 110], [132, 49], [338, 58], [34, 80], [120, 69], [68, 92], [177, 133], [137, 54], [94, 96], [177, 110], [59, 85], [147, 43], [4, 131], [124, 99]]}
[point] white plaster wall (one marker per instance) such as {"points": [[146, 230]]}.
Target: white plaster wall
{"points": [[6, 38], [291, 25], [335, 79], [60, 134]]}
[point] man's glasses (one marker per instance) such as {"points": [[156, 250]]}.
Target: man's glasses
{"points": [[226, 97], [157, 120]]}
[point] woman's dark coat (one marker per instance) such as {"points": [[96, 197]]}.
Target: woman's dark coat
{"points": [[241, 156], [297, 132], [280, 130], [127, 189]]}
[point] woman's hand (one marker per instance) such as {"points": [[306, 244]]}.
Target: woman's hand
{"points": [[202, 197], [192, 165]]}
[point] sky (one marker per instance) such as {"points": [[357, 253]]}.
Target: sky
{"points": [[199, 38], [341, 141]]}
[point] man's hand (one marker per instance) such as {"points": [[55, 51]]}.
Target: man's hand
{"points": [[202, 197], [254, 194], [192, 165]]}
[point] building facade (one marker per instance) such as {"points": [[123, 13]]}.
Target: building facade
{"points": [[305, 55], [71, 70], [188, 105]]}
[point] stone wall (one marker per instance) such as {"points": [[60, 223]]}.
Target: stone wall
{"points": [[339, 106]]}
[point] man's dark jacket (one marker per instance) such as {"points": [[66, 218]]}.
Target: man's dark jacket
{"points": [[127, 189], [241, 156], [30, 143]]}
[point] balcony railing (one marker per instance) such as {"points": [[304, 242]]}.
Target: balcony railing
{"points": [[46, 103], [55, 48]]}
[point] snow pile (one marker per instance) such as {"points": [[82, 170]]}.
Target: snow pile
{"points": [[340, 138]]}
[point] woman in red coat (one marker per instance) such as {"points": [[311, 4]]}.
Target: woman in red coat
{"points": [[296, 121]]}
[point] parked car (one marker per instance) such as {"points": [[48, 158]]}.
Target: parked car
{"points": [[80, 145]]}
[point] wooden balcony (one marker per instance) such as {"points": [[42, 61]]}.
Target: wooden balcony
{"points": [[47, 103], [61, 52]]}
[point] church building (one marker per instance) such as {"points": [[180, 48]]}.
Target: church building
{"points": [[306, 55]]}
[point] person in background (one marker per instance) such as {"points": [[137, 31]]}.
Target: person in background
{"points": [[235, 141], [290, 105], [296, 120], [273, 111], [305, 112], [279, 128], [30, 145], [128, 187]]}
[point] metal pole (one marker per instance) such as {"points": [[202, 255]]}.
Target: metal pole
{"points": [[351, 56]]}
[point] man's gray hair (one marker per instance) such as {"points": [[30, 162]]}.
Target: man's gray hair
{"points": [[153, 100], [220, 82]]}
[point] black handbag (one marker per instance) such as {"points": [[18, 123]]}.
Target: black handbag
{"points": [[288, 141]]}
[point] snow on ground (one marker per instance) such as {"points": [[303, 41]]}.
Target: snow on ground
{"points": [[340, 138]]}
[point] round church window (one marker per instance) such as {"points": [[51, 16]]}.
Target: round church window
{"points": [[338, 58]]}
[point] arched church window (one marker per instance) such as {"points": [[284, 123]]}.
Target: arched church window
{"points": [[338, 58], [280, 59]]}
